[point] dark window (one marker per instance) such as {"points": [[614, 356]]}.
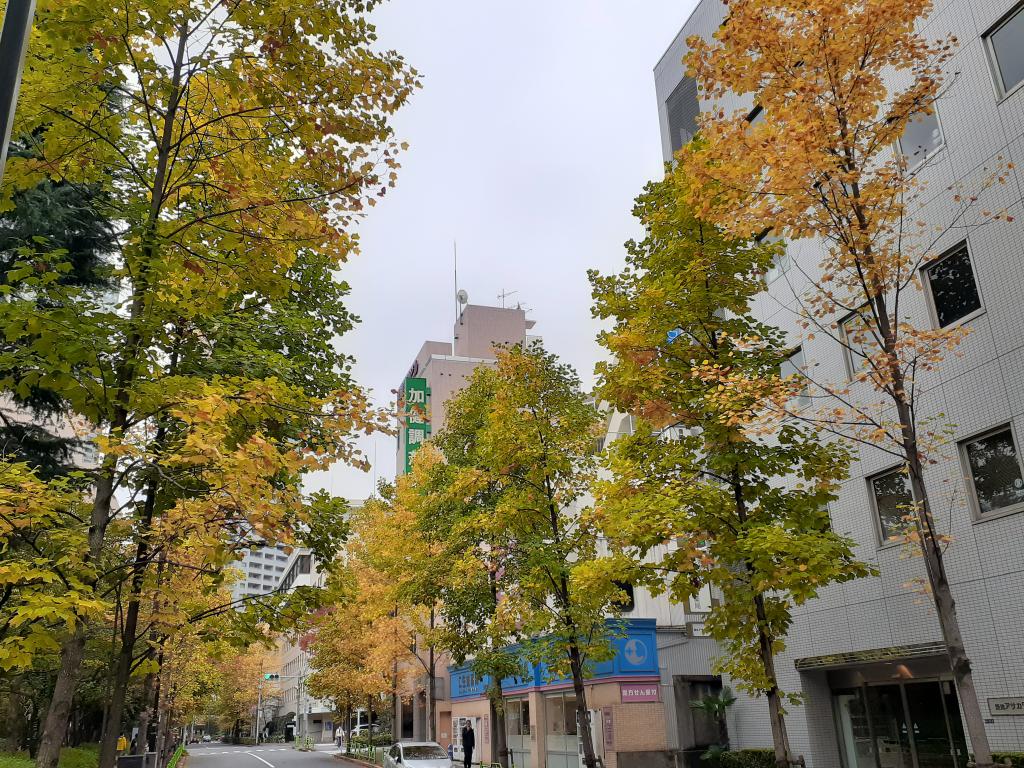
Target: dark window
{"points": [[892, 501], [303, 563], [627, 601], [922, 135], [683, 107], [995, 471], [954, 291], [756, 115], [1007, 52]]}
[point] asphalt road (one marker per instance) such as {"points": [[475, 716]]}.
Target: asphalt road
{"points": [[263, 756]]}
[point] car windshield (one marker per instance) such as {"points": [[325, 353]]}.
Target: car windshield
{"points": [[424, 752]]}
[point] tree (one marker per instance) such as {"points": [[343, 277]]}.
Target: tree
{"points": [[712, 488], [838, 84], [236, 144], [534, 434]]}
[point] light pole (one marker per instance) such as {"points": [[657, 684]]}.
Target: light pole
{"points": [[13, 44]]}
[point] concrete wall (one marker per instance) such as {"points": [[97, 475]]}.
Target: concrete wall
{"points": [[978, 390]]}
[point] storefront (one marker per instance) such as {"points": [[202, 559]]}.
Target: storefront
{"points": [[542, 730], [900, 712]]}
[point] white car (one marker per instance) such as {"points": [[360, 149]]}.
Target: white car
{"points": [[417, 754]]}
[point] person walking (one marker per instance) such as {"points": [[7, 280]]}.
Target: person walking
{"points": [[468, 742]]}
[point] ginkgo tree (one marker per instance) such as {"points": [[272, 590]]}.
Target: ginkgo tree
{"points": [[712, 490], [837, 85], [236, 144]]}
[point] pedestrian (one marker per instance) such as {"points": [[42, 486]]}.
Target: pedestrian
{"points": [[468, 742]]}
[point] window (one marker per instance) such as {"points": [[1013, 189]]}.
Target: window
{"points": [[922, 135], [953, 287], [995, 471], [756, 115], [682, 107], [781, 263], [627, 601], [891, 494], [701, 602], [858, 336], [1006, 52], [794, 366], [518, 717]]}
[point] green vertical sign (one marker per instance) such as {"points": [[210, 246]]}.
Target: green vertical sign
{"points": [[416, 398]]}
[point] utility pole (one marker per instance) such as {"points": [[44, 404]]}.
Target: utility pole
{"points": [[259, 708], [13, 44]]}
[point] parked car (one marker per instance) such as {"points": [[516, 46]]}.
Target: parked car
{"points": [[363, 729], [417, 754], [207, 738]]}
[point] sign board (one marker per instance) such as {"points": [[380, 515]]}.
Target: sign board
{"points": [[1008, 705], [630, 693], [696, 629], [609, 733], [415, 421]]}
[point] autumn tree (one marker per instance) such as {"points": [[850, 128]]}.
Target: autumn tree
{"points": [[533, 437], [711, 490], [837, 85], [236, 144]]}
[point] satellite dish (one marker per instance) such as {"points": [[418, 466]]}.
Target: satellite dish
{"points": [[462, 296]]}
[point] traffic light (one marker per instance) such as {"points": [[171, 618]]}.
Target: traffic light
{"points": [[272, 676]]}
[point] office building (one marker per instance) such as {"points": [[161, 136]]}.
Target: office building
{"points": [[868, 655]]}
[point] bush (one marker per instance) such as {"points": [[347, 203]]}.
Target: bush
{"points": [[741, 758], [1016, 758], [86, 756]]}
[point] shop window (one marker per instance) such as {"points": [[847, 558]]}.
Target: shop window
{"points": [[892, 499], [995, 472], [953, 287], [1006, 52]]}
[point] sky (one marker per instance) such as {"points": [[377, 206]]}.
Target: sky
{"points": [[534, 130]]}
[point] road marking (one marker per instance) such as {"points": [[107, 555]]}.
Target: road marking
{"points": [[260, 759]]}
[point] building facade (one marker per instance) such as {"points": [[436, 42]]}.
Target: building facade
{"points": [[261, 569], [868, 655]]}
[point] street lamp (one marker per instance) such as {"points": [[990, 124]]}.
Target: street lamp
{"points": [[13, 44]]}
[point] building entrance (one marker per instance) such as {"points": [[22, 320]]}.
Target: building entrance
{"points": [[907, 724]]}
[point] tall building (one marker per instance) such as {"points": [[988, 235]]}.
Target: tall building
{"points": [[442, 368], [868, 655], [261, 569]]}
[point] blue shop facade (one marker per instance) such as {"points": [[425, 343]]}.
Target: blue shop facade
{"points": [[624, 698]]}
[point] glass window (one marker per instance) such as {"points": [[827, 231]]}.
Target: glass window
{"points": [[922, 135], [682, 108], [995, 471], [859, 339], [893, 501], [781, 263], [1007, 52], [424, 752], [524, 717], [954, 291], [570, 715], [794, 366]]}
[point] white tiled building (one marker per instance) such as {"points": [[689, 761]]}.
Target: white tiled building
{"points": [[868, 654], [261, 569]]}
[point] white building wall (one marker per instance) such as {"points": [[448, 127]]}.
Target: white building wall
{"points": [[981, 389]]}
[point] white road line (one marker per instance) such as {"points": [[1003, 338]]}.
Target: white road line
{"points": [[260, 759]]}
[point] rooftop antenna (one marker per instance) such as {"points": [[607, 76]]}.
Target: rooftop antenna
{"points": [[504, 295]]}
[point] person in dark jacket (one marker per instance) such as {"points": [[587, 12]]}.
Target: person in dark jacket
{"points": [[468, 742]]}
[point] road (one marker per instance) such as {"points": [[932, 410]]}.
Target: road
{"points": [[263, 756]]}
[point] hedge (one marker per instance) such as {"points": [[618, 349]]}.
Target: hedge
{"points": [[1016, 758], [741, 758]]}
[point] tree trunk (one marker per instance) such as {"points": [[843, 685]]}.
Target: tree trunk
{"points": [[14, 738], [945, 605], [142, 740], [582, 713], [776, 715], [59, 714], [499, 735]]}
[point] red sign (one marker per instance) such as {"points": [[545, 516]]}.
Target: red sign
{"points": [[636, 692]]}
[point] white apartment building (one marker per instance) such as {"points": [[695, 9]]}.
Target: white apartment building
{"points": [[868, 655], [262, 569]]}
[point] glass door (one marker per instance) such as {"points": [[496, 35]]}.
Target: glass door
{"points": [[900, 725]]}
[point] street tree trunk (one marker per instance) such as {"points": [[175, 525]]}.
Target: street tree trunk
{"points": [[931, 549], [582, 713], [776, 714], [498, 733], [146, 715]]}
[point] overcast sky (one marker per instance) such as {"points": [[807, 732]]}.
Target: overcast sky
{"points": [[535, 128]]}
